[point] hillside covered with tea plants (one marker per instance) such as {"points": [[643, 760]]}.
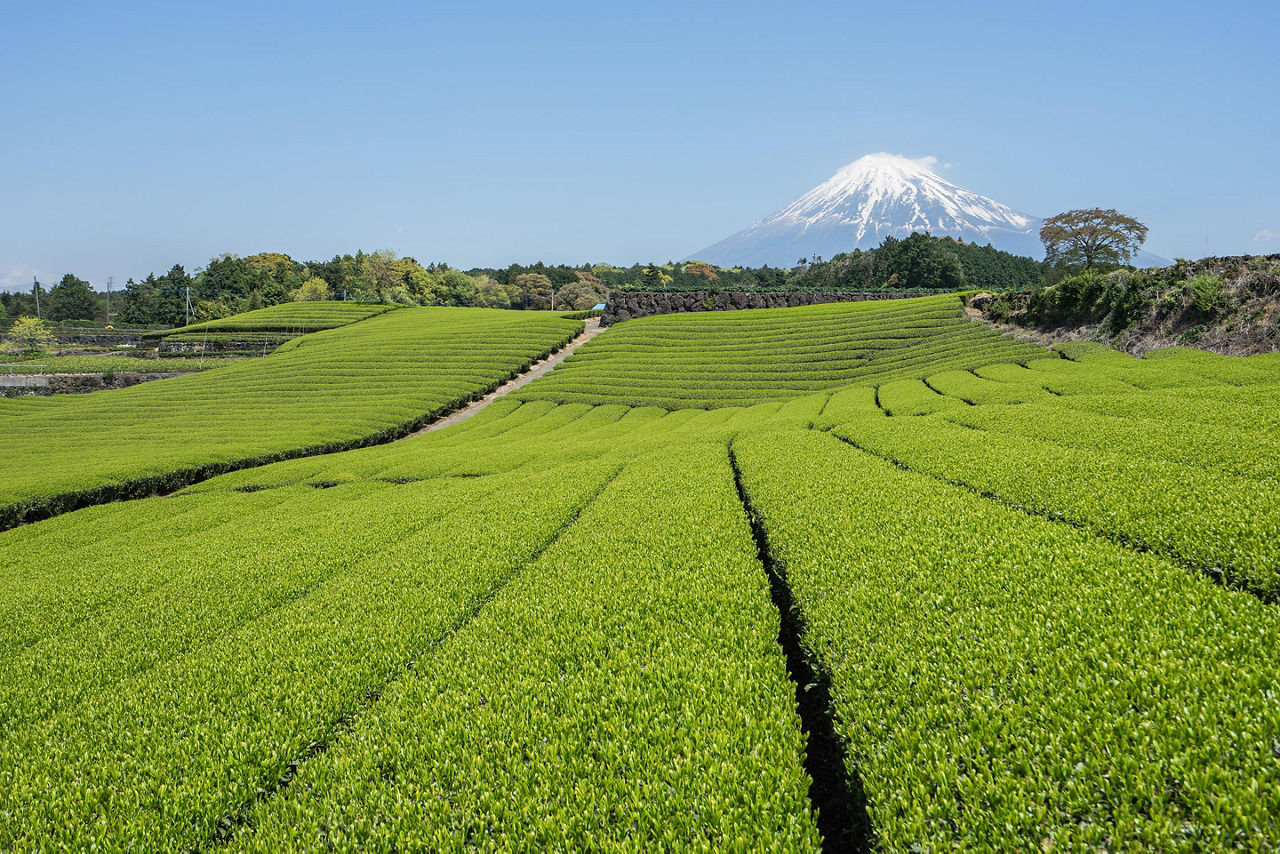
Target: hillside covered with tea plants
{"points": [[847, 577]]}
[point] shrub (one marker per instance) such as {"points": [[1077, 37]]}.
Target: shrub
{"points": [[1194, 334], [1206, 295], [1006, 306], [1126, 298]]}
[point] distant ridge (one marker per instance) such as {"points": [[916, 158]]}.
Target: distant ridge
{"points": [[874, 197]]}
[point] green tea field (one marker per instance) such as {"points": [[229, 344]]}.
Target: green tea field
{"points": [[847, 577], [343, 387]]}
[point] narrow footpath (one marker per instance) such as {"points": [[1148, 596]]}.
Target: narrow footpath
{"points": [[536, 370]]}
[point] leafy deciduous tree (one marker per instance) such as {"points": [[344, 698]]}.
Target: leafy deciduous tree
{"points": [[701, 269], [535, 290], [655, 277], [1092, 236], [580, 295], [226, 276], [456, 288], [29, 335], [312, 289], [922, 263], [491, 293]]}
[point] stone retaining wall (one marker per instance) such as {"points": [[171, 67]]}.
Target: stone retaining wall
{"points": [[191, 348], [91, 338], [81, 383], [625, 305]]}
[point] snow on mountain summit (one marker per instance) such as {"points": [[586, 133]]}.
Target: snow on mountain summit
{"points": [[873, 197], [869, 187]]}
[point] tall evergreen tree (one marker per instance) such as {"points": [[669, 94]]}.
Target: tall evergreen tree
{"points": [[72, 299], [139, 303], [225, 276], [171, 296]]}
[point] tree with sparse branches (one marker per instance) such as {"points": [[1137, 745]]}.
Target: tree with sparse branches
{"points": [[1089, 237]]}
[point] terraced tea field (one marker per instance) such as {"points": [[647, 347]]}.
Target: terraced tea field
{"points": [[712, 359], [959, 593], [287, 318], [267, 328], [339, 388], [292, 317]]}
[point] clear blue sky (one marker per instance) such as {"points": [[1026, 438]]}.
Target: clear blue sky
{"points": [[139, 135]]}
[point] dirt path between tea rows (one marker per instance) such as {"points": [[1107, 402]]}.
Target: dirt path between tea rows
{"points": [[536, 370]]}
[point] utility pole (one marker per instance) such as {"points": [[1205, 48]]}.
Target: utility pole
{"points": [[35, 289], [188, 307], [110, 279]]}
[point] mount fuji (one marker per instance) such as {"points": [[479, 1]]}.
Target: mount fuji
{"points": [[872, 198]]}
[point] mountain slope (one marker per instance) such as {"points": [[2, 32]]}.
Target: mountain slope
{"points": [[874, 197]]}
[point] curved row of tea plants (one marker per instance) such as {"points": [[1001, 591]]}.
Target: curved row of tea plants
{"points": [[619, 693], [1176, 470], [162, 695], [717, 359], [174, 689], [291, 317], [1006, 682], [548, 626], [340, 388]]}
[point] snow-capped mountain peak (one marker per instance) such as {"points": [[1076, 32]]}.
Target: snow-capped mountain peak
{"points": [[872, 186], [871, 198]]}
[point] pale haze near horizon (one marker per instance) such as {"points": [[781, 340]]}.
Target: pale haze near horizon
{"points": [[139, 136]]}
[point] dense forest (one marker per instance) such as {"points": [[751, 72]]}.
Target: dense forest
{"points": [[230, 284], [921, 263]]}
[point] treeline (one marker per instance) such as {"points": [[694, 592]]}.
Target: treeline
{"points": [[671, 276], [230, 284], [921, 262], [71, 299]]}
